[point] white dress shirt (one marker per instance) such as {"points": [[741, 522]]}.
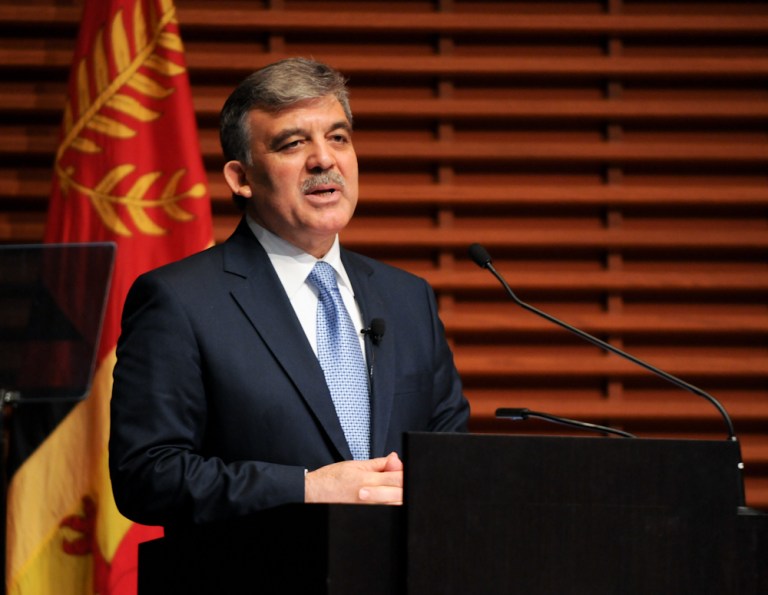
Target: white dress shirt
{"points": [[293, 266]]}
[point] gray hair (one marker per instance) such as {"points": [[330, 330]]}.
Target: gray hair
{"points": [[274, 88]]}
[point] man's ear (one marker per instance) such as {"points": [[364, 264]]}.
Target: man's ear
{"points": [[234, 175]]}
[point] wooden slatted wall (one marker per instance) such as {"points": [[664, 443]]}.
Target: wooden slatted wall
{"points": [[612, 155]]}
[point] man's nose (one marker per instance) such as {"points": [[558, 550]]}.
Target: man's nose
{"points": [[321, 157]]}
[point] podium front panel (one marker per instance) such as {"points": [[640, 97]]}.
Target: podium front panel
{"points": [[296, 549], [534, 515]]}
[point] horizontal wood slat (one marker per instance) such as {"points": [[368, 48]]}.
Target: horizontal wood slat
{"points": [[233, 16], [497, 322], [648, 239], [478, 109], [499, 363], [679, 409], [598, 67], [40, 142], [605, 281], [242, 60], [613, 196], [37, 184], [567, 151], [14, 98]]}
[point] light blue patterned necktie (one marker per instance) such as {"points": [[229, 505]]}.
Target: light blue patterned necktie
{"points": [[338, 349]]}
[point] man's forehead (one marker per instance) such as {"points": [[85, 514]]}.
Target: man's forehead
{"points": [[314, 107]]}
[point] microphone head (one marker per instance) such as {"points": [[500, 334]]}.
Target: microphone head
{"points": [[378, 326], [479, 255], [514, 414]]}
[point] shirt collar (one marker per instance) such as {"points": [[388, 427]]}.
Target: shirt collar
{"points": [[292, 264]]}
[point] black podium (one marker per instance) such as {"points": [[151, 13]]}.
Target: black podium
{"points": [[496, 514], [487, 515]]}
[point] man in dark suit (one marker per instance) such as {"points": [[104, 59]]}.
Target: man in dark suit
{"points": [[221, 403]]}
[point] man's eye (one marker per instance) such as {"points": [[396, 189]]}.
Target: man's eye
{"points": [[291, 145], [340, 138]]}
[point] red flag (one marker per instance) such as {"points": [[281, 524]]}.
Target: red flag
{"points": [[128, 169]]}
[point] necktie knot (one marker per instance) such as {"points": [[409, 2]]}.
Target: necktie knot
{"points": [[323, 277]]}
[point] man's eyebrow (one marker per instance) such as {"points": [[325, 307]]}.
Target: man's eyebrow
{"points": [[277, 142], [341, 124]]}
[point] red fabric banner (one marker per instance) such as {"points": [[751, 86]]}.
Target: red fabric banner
{"points": [[128, 170]]}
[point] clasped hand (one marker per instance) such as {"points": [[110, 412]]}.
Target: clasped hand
{"points": [[375, 481]]}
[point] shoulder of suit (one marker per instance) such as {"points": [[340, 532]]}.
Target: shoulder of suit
{"points": [[373, 266], [189, 265]]}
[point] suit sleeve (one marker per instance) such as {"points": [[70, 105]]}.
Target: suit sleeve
{"points": [[450, 407], [160, 474]]}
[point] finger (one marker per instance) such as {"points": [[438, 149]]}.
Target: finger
{"points": [[379, 464], [381, 495], [393, 462], [392, 479]]}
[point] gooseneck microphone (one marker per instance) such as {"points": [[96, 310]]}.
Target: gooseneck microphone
{"points": [[519, 414], [482, 258]]}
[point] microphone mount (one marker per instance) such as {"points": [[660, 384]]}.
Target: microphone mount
{"points": [[376, 330]]}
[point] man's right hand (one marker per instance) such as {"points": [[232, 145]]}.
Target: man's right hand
{"points": [[375, 481]]}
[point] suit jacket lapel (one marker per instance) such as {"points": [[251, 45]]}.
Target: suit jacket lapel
{"points": [[381, 357], [256, 288]]}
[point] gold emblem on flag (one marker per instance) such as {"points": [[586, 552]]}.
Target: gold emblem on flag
{"points": [[103, 106]]}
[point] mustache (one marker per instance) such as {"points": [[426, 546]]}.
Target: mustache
{"points": [[323, 179]]}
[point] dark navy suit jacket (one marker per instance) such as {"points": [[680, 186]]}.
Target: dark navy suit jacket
{"points": [[219, 402]]}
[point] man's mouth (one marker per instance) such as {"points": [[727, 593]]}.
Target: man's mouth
{"points": [[324, 185], [323, 191]]}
